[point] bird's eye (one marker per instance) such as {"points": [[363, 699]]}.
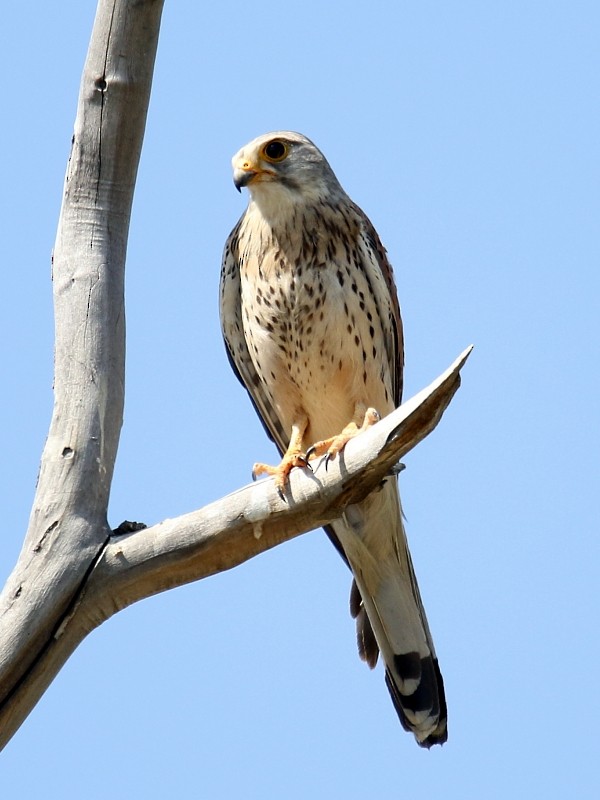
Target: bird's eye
{"points": [[275, 151]]}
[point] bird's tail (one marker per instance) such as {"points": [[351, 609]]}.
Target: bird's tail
{"points": [[390, 618]]}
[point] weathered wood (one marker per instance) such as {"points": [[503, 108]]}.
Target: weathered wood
{"points": [[67, 528], [253, 519]]}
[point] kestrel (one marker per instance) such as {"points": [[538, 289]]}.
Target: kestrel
{"points": [[312, 327]]}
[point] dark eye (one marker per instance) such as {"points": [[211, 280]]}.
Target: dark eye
{"points": [[275, 150]]}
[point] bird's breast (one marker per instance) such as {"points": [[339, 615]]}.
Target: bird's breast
{"points": [[312, 340]]}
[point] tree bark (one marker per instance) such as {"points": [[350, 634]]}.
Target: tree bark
{"points": [[73, 572], [68, 527]]}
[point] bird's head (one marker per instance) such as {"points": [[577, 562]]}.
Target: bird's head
{"points": [[284, 167]]}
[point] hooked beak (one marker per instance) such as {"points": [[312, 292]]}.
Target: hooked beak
{"points": [[242, 176]]}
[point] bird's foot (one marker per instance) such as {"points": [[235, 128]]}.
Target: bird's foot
{"points": [[331, 447], [282, 471]]}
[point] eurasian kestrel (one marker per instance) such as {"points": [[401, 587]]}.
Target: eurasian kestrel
{"points": [[312, 326]]}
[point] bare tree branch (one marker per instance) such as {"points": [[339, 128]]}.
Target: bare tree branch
{"points": [[68, 528], [73, 572]]}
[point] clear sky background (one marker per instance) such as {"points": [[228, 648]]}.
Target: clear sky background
{"points": [[469, 133]]}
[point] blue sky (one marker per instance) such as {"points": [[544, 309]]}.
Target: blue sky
{"points": [[469, 133]]}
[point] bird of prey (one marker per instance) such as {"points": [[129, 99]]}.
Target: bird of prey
{"points": [[312, 328]]}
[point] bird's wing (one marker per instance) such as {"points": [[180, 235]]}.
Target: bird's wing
{"points": [[384, 294], [385, 597], [374, 252], [235, 341]]}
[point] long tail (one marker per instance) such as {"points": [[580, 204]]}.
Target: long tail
{"points": [[390, 618]]}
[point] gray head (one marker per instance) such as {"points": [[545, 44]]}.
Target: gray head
{"points": [[284, 167]]}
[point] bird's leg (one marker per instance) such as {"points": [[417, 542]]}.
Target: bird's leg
{"points": [[294, 457], [335, 444]]}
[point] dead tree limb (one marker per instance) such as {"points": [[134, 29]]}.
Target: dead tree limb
{"points": [[67, 528], [73, 572]]}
